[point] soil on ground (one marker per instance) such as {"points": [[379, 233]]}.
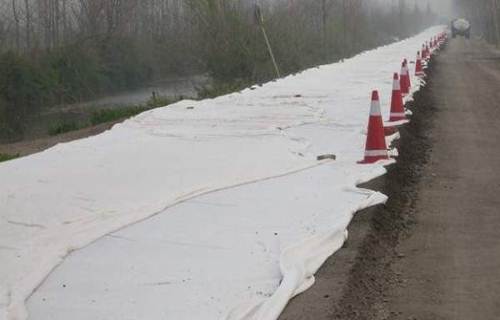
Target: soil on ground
{"points": [[27, 147]]}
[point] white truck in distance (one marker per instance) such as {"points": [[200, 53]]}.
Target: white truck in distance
{"points": [[460, 27]]}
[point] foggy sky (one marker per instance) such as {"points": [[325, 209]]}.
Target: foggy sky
{"points": [[443, 7]]}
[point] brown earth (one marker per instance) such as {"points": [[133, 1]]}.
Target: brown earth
{"points": [[433, 251], [27, 147]]}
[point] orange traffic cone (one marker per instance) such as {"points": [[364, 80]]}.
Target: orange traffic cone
{"points": [[419, 70], [424, 52], [397, 106], [403, 80], [442, 38], [408, 77], [376, 148]]}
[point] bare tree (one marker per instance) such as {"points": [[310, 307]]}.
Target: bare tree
{"points": [[17, 35]]}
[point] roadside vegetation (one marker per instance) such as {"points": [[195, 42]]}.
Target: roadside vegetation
{"points": [[107, 115], [117, 113], [63, 127], [7, 157], [59, 52]]}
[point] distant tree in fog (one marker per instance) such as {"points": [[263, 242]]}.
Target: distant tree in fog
{"points": [[484, 15], [64, 51]]}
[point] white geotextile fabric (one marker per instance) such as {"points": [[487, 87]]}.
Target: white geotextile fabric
{"points": [[64, 198]]}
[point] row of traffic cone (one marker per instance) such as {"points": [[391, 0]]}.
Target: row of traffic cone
{"points": [[376, 147]]}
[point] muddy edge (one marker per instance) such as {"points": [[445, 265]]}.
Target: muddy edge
{"points": [[364, 297]]}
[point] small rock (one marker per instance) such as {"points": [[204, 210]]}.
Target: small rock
{"points": [[327, 157]]}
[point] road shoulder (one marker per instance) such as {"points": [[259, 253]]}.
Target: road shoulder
{"points": [[353, 282]]}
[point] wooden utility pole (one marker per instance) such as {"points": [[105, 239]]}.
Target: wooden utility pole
{"points": [[324, 17], [260, 20], [344, 29]]}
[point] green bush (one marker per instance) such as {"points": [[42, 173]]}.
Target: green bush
{"points": [[63, 127], [124, 66], [109, 115], [160, 101], [21, 91], [219, 88], [76, 73], [7, 157]]}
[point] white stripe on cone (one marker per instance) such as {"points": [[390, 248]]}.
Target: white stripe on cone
{"points": [[375, 153], [396, 85], [407, 70], [375, 109], [398, 114]]}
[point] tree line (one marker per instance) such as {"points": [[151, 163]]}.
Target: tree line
{"points": [[56, 52], [484, 16]]}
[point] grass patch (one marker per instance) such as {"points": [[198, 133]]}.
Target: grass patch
{"points": [[108, 115], [7, 157], [218, 88], [160, 101], [100, 116], [63, 127]]}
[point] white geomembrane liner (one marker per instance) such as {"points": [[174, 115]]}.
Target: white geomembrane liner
{"points": [[244, 214]]}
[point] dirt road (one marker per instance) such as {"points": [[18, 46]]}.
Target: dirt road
{"points": [[433, 252]]}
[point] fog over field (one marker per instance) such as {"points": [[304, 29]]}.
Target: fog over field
{"points": [[443, 7], [76, 51]]}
